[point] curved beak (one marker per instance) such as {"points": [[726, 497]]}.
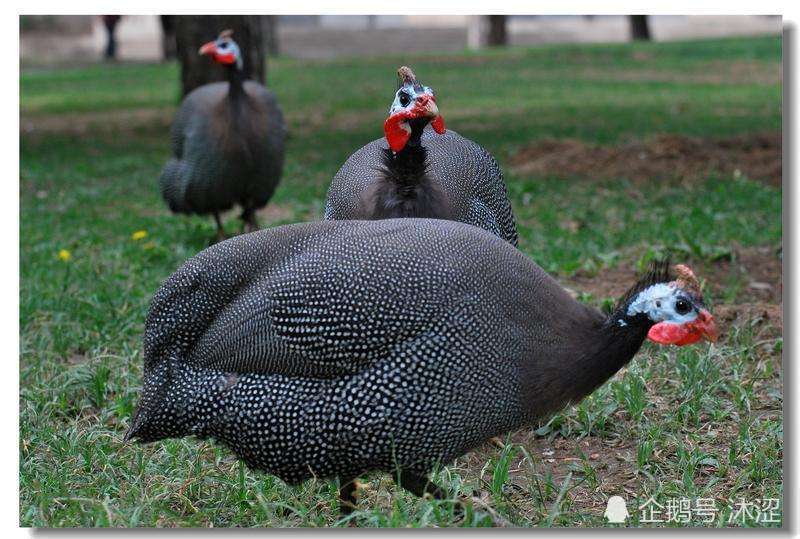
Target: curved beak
{"points": [[705, 324], [208, 48], [426, 106]]}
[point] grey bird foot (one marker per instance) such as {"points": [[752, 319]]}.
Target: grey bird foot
{"points": [[423, 487], [497, 442], [348, 498], [220, 236], [249, 221]]}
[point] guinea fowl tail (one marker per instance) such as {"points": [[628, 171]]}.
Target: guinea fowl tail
{"points": [[170, 185], [177, 400]]}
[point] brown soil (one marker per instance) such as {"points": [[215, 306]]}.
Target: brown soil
{"points": [[756, 156], [81, 123], [613, 461], [273, 213], [767, 318], [723, 73], [757, 270]]}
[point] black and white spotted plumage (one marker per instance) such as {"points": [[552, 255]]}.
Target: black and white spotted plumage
{"points": [[467, 176], [340, 347]]}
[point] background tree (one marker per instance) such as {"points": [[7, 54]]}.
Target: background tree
{"points": [[110, 22], [191, 31], [486, 31], [498, 37], [269, 27], [640, 29], [168, 37]]}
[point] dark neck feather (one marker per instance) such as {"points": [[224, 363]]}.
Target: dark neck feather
{"points": [[595, 354], [615, 347], [408, 167], [618, 338], [404, 188], [235, 84], [597, 348]]}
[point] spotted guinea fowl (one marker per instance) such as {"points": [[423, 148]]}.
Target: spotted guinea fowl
{"points": [[296, 347], [421, 169], [227, 141]]}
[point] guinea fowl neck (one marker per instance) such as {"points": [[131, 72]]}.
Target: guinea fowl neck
{"points": [[404, 187], [596, 351], [409, 164], [618, 340], [235, 84]]}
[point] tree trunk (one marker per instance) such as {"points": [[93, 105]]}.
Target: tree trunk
{"points": [[498, 37], [110, 22], [168, 44], [192, 31], [269, 27], [640, 30]]}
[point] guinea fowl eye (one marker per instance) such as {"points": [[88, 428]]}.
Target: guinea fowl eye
{"points": [[223, 45], [404, 99], [682, 306]]}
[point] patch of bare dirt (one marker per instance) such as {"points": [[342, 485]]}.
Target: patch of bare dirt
{"points": [[272, 213], [663, 157], [611, 461], [610, 458], [724, 73], [767, 318], [557, 456], [756, 273], [80, 123], [76, 359]]}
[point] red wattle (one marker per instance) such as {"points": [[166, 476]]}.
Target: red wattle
{"points": [[225, 58], [670, 333], [438, 125], [397, 131]]}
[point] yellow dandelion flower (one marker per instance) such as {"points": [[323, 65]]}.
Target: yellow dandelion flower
{"points": [[139, 235], [64, 255]]}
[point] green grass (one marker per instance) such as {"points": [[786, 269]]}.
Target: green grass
{"points": [[693, 422]]}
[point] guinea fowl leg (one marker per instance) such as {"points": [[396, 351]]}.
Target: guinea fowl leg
{"points": [[420, 485], [249, 221], [347, 496], [220, 230]]}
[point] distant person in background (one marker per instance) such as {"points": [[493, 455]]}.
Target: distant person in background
{"points": [[110, 22]]}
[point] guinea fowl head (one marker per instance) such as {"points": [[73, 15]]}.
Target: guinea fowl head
{"points": [[672, 308], [414, 106], [223, 50]]}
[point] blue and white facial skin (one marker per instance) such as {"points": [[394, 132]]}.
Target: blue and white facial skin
{"points": [[664, 302], [223, 50], [407, 95], [678, 315]]}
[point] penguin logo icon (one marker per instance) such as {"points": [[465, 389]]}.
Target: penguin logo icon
{"points": [[616, 510]]}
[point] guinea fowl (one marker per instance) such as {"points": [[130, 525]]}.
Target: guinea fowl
{"points": [[227, 141], [421, 169], [297, 348]]}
